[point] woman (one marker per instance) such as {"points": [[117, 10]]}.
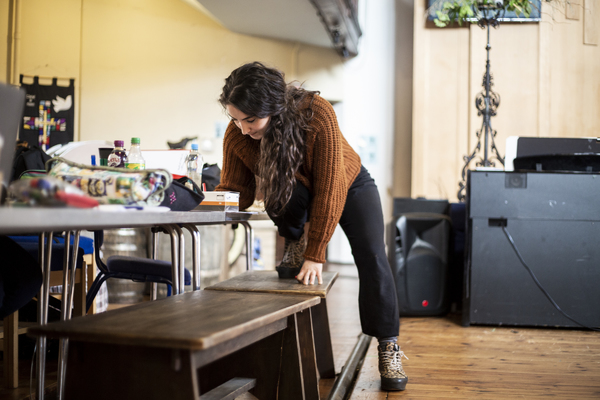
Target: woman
{"points": [[285, 143]]}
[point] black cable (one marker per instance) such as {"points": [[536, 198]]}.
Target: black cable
{"points": [[539, 285]]}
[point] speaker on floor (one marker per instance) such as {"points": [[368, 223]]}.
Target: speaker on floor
{"points": [[419, 261]]}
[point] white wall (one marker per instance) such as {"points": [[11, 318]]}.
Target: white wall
{"points": [[367, 119], [152, 68]]}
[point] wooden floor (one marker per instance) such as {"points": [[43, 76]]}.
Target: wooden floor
{"points": [[447, 360]]}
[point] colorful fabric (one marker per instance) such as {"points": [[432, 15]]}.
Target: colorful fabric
{"points": [[113, 185], [49, 113]]}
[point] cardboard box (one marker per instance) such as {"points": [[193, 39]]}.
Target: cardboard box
{"points": [[220, 201]]}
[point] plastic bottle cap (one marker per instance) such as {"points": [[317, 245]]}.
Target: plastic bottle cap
{"points": [[194, 146], [135, 140], [119, 143]]}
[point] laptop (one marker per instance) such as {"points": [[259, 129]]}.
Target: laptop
{"points": [[12, 103]]}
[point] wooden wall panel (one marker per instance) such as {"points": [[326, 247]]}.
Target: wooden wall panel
{"points": [[440, 92], [548, 80]]}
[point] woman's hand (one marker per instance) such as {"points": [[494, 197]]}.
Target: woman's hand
{"points": [[309, 271]]}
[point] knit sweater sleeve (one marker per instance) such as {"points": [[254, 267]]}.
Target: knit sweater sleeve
{"points": [[329, 184], [236, 176]]}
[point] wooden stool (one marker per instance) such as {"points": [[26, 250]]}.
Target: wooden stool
{"points": [[215, 343], [269, 282]]}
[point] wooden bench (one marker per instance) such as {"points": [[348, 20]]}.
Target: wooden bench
{"points": [[218, 344], [269, 282]]}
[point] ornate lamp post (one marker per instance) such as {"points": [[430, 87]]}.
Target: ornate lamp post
{"points": [[487, 101]]}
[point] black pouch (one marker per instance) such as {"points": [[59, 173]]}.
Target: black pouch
{"points": [[178, 197], [211, 176]]}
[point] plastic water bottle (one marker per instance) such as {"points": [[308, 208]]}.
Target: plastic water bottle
{"points": [[194, 166], [118, 157], [135, 159]]}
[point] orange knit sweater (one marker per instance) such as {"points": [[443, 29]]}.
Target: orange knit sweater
{"points": [[330, 166]]}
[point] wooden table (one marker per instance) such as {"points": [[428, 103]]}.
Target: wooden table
{"points": [[46, 220], [187, 345], [269, 282]]}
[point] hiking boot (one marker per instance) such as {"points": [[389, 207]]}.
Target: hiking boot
{"points": [[293, 258], [393, 376]]}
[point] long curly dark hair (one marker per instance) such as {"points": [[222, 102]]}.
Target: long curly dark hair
{"points": [[259, 91]]}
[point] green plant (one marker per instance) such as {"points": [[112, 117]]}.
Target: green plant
{"points": [[460, 11]]}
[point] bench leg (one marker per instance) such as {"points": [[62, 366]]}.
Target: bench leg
{"points": [[260, 361], [283, 364], [299, 377], [323, 340], [100, 371], [11, 350], [310, 373]]}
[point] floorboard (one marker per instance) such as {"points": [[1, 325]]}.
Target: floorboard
{"points": [[453, 362]]}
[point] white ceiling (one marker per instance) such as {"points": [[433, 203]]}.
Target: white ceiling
{"points": [[294, 20]]}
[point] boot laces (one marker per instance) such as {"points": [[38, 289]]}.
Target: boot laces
{"points": [[391, 356]]}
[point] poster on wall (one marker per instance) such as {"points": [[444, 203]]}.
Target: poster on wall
{"points": [[49, 114]]}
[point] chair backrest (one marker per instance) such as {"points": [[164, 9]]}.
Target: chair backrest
{"points": [[98, 240]]}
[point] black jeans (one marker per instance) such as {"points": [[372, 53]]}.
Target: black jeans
{"points": [[362, 222]]}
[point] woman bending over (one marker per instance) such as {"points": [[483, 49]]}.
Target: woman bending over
{"points": [[285, 142]]}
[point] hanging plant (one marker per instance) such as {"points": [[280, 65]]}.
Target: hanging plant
{"points": [[461, 11]]}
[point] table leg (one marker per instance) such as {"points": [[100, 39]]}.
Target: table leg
{"points": [[249, 244], [45, 255], [179, 232], [69, 271], [63, 315], [154, 241], [174, 258], [193, 229]]}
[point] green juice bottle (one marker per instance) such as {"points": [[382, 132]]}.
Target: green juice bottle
{"points": [[134, 158]]}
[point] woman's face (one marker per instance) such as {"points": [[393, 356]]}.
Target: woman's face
{"points": [[251, 126]]}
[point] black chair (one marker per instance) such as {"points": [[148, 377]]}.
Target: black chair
{"points": [[137, 269], [86, 246]]}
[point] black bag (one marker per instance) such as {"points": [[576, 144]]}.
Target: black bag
{"points": [[179, 198], [211, 176], [28, 158]]}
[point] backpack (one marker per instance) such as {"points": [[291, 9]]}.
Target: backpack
{"points": [[28, 158]]}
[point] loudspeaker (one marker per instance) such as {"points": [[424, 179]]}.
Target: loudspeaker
{"points": [[419, 260]]}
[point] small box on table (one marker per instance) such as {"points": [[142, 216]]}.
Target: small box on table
{"points": [[220, 201]]}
